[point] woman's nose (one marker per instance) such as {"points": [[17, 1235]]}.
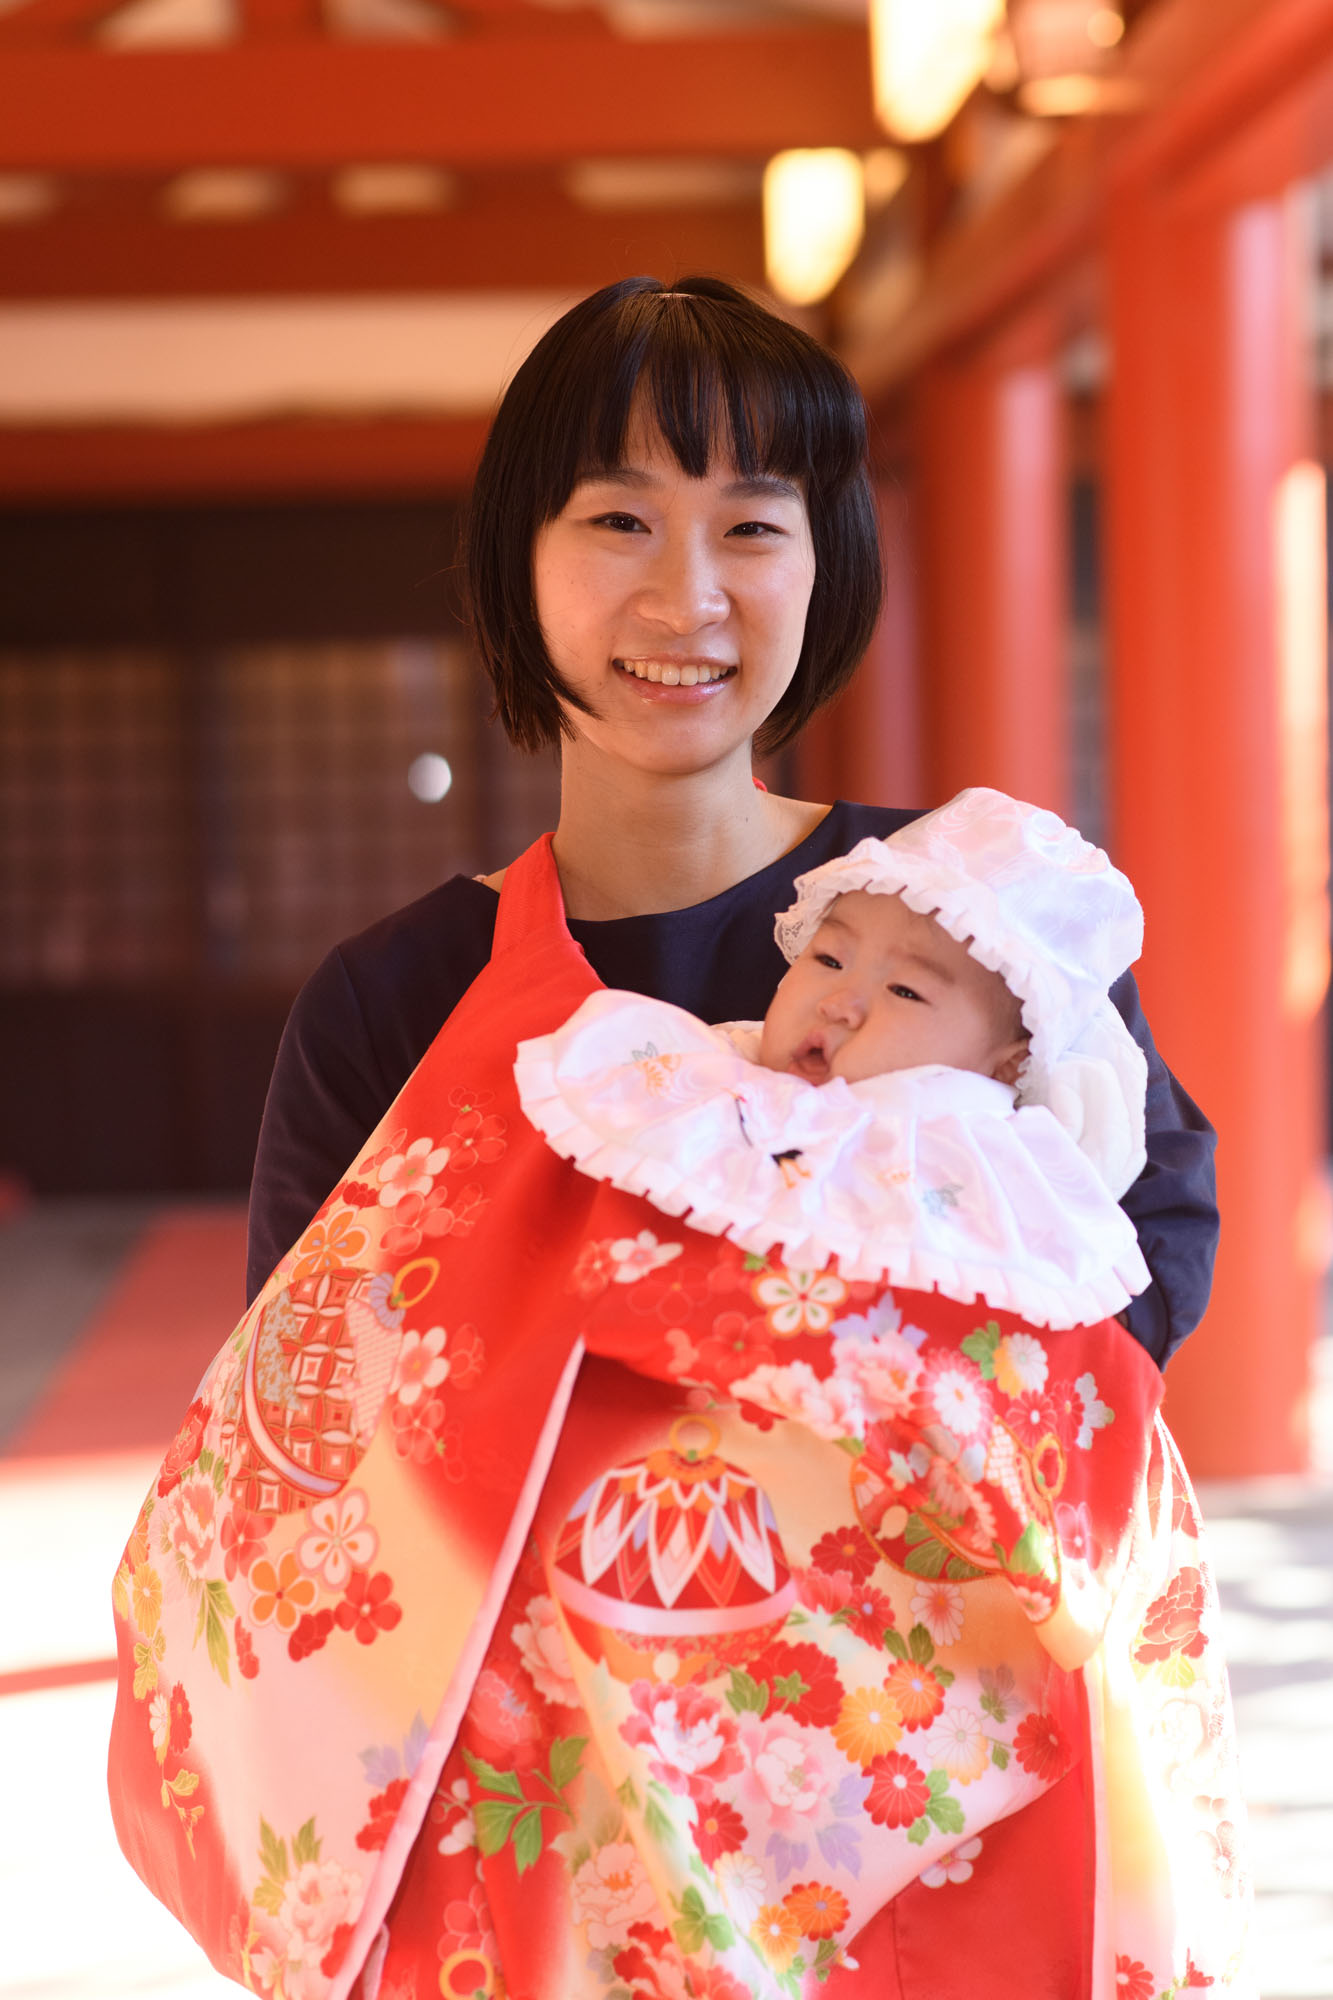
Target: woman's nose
{"points": [[683, 590]]}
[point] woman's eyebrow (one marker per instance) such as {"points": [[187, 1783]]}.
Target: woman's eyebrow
{"points": [[764, 486]]}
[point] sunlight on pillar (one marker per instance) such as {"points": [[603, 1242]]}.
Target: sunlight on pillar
{"points": [[814, 218], [926, 57], [1302, 656]]}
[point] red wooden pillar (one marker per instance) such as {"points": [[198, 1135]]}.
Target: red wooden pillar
{"points": [[1218, 784], [992, 528]]}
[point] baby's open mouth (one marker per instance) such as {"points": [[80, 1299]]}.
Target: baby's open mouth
{"points": [[676, 673], [811, 1060]]}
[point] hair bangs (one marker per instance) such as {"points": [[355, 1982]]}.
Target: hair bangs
{"points": [[691, 367]]}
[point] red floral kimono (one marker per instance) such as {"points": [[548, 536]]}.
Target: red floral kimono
{"points": [[478, 1637]]}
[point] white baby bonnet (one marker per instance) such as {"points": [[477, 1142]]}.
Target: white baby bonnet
{"points": [[1035, 902]]}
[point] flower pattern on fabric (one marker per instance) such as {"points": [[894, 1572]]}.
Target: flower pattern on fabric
{"points": [[694, 1780]]}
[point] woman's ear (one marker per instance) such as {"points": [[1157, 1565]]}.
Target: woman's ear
{"points": [[1008, 1065]]}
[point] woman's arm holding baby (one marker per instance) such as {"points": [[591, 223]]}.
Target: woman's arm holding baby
{"points": [[1173, 1203]]}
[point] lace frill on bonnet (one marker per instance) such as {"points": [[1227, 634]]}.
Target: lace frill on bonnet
{"points": [[927, 1178]]}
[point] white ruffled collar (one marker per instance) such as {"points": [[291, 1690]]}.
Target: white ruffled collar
{"points": [[927, 1178]]}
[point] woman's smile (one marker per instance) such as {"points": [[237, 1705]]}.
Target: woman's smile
{"points": [[690, 595]]}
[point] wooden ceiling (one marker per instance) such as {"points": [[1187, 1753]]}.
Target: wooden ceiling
{"points": [[104, 107]]}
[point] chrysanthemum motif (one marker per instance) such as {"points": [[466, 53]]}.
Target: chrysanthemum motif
{"points": [[954, 1394]]}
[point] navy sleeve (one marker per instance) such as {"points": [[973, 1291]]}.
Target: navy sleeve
{"points": [[1173, 1203], [326, 1093]]}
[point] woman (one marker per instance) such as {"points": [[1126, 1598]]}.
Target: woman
{"points": [[672, 562], [342, 1680]]}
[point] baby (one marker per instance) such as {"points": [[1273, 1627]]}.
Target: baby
{"points": [[941, 1092]]}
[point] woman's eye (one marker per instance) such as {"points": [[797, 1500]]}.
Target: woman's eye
{"points": [[622, 524], [905, 993], [751, 531]]}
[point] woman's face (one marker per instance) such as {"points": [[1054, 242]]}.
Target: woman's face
{"points": [[674, 606]]}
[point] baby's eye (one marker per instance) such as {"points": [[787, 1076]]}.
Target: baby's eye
{"points": [[906, 993], [827, 958]]}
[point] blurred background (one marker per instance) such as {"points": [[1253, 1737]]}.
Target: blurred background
{"points": [[265, 267]]}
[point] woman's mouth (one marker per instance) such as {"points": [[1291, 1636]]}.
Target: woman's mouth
{"points": [[676, 673]]}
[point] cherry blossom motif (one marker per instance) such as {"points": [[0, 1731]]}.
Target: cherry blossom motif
{"points": [[1021, 1364], [799, 1301], [340, 1541], [368, 1608], [422, 1364], [410, 1172], [958, 1744], [440, 1212], [541, 1644], [189, 1523], [243, 1538], [737, 1345], [245, 1651], [452, 1809], [690, 1738], [1093, 1414], [611, 1891], [381, 1813], [1221, 1846], [477, 1136], [594, 1268], [421, 1434], [279, 1592], [635, 1256], [955, 1866], [328, 1245], [1073, 1525], [939, 1607]]}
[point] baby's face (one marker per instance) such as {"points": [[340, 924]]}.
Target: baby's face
{"points": [[880, 988]]}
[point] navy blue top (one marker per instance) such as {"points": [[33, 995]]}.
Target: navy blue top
{"points": [[368, 1013]]}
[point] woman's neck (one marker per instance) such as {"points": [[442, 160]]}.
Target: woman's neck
{"points": [[633, 843]]}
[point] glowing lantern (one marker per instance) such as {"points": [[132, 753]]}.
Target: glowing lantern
{"points": [[926, 57], [814, 216]]}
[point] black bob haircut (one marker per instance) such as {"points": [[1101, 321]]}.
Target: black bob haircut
{"points": [[718, 373]]}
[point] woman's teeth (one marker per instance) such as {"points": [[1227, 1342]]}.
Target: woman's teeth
{"points": [[672, 676]]}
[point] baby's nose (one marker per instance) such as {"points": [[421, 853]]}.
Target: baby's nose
{"points": [[845, 1005]]}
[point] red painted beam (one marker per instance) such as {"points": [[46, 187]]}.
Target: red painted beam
{"points": [[532, 238], [511, 99], [321, 457]]}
